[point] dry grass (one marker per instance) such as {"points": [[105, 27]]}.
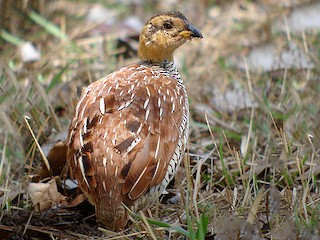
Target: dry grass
{"points": [[251, 172]]}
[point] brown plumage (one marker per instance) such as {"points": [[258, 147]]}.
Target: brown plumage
{"points": [[130, 128]]}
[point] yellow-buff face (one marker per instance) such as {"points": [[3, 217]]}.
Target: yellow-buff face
{"points": [[163, 34]]}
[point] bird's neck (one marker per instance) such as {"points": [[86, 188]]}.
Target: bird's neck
{"points": [[165, 67], [169, 66]]}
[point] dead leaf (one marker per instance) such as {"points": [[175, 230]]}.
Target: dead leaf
{"points": [[10, 196], [255, 206], [45, 195], [78, 200], [57, 159]]}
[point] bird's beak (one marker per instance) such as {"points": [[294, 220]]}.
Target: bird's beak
{"points": [[191, 32]]}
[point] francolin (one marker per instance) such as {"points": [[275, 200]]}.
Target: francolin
{"points": [[130, 128]]}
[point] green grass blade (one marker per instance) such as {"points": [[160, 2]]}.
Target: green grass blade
{"points": [[11, 38], [56, 79], [48, 26], [202, 227], [160, 223], [167, 225]]}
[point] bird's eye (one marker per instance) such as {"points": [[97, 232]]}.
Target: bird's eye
{"points": [[167, 25]]}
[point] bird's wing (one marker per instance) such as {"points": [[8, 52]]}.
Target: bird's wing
{"points": [[125, 132]]}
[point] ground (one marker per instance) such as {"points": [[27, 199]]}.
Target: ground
{"points": [[251, 170]]}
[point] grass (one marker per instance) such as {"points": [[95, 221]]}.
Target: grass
{"points": [[251, 172]]}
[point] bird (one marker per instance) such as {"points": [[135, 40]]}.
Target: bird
{"points": [[130, 129]]}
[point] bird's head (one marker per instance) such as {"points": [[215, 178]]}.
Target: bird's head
{"points": [[163, 34]]}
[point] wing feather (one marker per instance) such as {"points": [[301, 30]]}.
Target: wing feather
{"points": [[133, 139]]}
